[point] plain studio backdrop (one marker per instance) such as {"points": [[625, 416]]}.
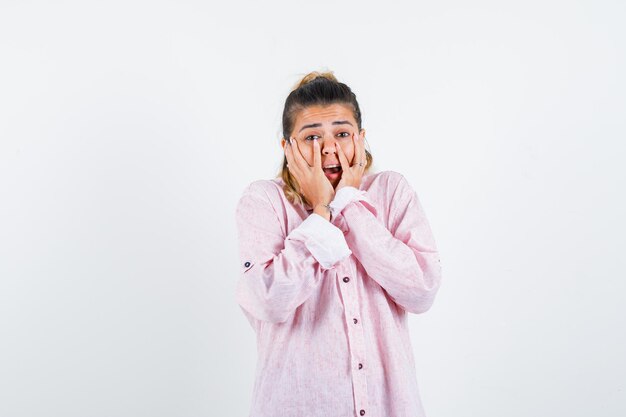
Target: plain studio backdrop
{"points": [[129, 129]]}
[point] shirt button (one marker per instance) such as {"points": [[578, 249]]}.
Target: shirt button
{"points": [[346, 279], [247, 264], [362, 412], [355, 321], [360, 366]]}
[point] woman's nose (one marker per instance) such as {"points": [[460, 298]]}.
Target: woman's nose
{"points": [[328, 146]]}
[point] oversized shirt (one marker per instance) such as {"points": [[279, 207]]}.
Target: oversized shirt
{"points": [[329, 300]]}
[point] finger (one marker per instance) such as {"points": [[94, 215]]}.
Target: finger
{"points": [[359, 147], [355, 144], [302, 163], [293, 154], [356, 157], [292, 165], [317, 158], [345, 164]]}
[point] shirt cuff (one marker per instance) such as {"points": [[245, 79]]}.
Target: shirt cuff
{"points": [[325, 241], [345, 196]]}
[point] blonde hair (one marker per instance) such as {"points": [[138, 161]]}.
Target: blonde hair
{"points": [[315, 88]]}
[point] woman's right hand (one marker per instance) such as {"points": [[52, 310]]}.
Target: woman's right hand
{"points": [[313, 183]]}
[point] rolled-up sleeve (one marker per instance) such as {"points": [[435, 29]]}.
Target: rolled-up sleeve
{"points": [[280, 271], [325, 241], [402, 257]]}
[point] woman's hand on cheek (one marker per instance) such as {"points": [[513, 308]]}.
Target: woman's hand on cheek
{"points": [[313, 184], [351, 175]]}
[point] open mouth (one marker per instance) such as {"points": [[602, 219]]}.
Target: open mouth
{"points": [[332, 169]]}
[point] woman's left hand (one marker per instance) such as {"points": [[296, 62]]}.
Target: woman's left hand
{"points": [[351, 175]]}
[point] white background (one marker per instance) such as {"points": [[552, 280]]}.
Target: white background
{"points": [[128, 130]]}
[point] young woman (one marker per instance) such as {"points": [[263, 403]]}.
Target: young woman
{"points": [[333, 257]]}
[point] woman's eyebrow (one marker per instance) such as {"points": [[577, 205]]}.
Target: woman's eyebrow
{"points": [[336, 122]]}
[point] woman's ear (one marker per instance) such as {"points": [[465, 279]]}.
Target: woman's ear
{"points": [[283, 142]]}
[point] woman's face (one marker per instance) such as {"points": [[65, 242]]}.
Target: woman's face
{"points": [[330, 125]]}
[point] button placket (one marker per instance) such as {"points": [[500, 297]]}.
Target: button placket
{"points": [[356, 338]]}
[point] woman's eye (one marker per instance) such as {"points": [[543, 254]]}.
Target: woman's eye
{"points": [[312, 137]]}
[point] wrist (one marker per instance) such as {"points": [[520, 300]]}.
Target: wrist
{"points": [[323, 210]]}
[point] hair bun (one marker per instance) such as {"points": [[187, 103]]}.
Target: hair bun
{"points": [[316, 74]]}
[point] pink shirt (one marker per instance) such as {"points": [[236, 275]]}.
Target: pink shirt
{"points": [[329, 301]]}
